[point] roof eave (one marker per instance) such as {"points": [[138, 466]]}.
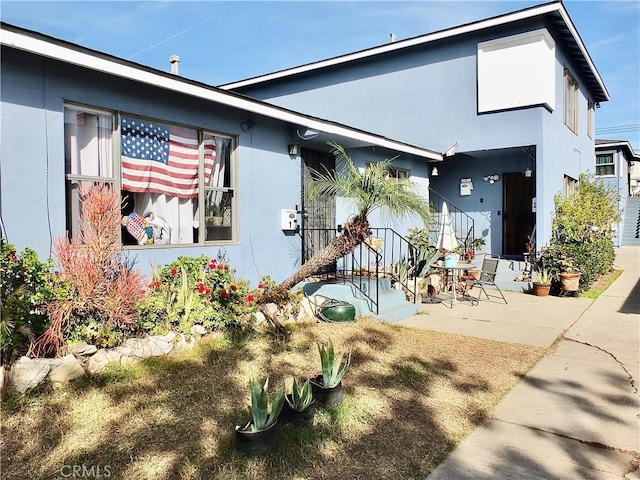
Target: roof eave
{"points": [[38, 44], [524, 14]]}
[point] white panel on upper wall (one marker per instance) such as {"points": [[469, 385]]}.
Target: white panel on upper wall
{"points": [[516, 71]]}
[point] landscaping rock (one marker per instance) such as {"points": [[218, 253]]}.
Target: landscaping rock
{"points": [[27, 373], [135, 347], [101, 359], [272, 308], [307, 309], [169, 337], [68, 369], [183, 342], [82, 349], [260, 318], [129, 360], [160, 346], [198, 330]]}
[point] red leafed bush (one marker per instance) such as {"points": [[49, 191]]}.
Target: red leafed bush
{"points": [[98, 291]]}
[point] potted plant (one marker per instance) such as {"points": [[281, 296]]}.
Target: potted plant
{"points": [[327, 387], [260, 435], [300, 407], [217, 211], [542, 285], [478, 243], [569, 277]]}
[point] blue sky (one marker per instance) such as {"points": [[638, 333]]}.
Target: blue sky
{"points": [[220, 42]]}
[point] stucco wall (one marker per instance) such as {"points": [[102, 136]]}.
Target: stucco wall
{"points": [[428, 96], [33, 93]]}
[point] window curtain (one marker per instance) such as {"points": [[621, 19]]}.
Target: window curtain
{"points": [[90, 145], [178, 213]]}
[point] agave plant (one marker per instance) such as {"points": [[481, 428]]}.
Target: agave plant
{"points": [[543, 276], [333, 367], [301, 396], [262, 419]]}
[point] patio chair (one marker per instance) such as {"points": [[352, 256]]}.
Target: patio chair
{"points": [[487, 278]]}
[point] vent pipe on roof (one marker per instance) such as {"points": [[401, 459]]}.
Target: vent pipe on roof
{"points": [[392, 37], [174, 60]]}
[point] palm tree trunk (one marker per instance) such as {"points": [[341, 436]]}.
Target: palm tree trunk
{"points": [[354, 233]]}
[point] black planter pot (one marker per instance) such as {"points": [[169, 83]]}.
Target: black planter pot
{"points": [[326, 397], [291, 416], [256, 443]]}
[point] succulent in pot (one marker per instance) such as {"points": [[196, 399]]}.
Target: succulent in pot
{"points": [[259, 435], [327, 387], [542, 284], [300, 406]]}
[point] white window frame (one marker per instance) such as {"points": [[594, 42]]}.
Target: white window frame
{"points": [[569, 186], [590, 119], [612, 154], [570, 101], [73, 180], [228, 230], [394, 172]]}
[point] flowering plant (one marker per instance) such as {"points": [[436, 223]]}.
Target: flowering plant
{"points": [[190, 291]]}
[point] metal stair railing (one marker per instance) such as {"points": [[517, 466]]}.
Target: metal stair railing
{"points": [[463, 224], [381, 256]]}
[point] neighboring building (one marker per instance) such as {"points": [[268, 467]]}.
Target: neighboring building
{"points": [[208, 169], [514, 95], [618, 166]]}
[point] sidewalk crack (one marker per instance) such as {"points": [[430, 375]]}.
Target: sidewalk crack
{"points": [[631, 380], [633, 453]]}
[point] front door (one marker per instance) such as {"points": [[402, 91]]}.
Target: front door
{"points": [[518, 217], [319, 215]]}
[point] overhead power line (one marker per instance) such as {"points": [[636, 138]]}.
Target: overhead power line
{"points": [[619, 128]]}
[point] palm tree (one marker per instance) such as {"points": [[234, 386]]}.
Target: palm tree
{"points": [[367, 191]]}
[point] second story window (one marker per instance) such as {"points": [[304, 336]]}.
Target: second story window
{"points": [[590, 120], [570, 101], [605, 165]]}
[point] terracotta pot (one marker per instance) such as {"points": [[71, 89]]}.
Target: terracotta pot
{"points": [[326, 397], [570, 282], [305, 418], [256, 443], [541, 289]]}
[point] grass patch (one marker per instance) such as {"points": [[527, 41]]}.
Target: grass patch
{"points": [[410, 397], [601, 284]]}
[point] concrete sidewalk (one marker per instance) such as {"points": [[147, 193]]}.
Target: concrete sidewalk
{"points": [[575, 415]]}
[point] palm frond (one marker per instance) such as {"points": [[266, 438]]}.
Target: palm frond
{"points": [[370, 189]]}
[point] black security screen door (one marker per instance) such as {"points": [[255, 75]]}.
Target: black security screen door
{"points": [[518, 217], [319, 216]]}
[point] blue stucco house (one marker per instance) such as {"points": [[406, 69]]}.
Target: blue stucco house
{"points": [[617, 165], [511, 100], [207, 169]]}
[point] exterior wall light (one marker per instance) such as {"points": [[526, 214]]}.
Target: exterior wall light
{"points": [[491, 178], [434, 172], [294, 150]]}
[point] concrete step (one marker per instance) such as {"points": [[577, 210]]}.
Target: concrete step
{"points": [[393, 305]]}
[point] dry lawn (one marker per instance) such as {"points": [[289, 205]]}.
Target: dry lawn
{"points": [[411, 397]]}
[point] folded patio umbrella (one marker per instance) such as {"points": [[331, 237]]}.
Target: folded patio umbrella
{"points": [[447, 241]]}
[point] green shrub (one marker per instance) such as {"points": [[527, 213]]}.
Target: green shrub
{"points": [[26, 286], [581, 232]]}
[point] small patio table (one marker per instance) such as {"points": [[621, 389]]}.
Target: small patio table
{"points": [[453, 273]]}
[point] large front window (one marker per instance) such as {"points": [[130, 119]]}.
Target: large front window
{"points": [[176, 181]]}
